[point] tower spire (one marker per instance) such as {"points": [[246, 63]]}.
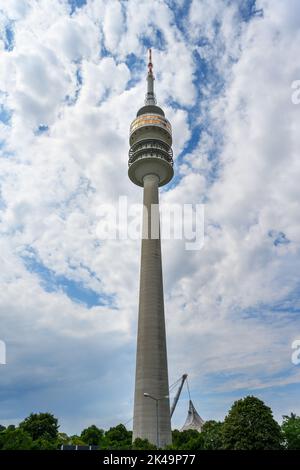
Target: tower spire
{"points": [[150, 96]]}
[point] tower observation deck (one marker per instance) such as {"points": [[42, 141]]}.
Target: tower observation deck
{"points": [[150, 165], [150, 140]]}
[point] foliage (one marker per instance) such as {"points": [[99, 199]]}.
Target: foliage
{"points": [[212, 434], [291, 432], [92, 435], [117, 438], [250, 425], [15, 439], [183, 440], [76, 441], [63, 438], [44, 443], [211, 438], [41, 426], [142, 444]]}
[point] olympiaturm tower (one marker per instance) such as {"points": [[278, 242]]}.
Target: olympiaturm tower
{"points": [[150, 166]]}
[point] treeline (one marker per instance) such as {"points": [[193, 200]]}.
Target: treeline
{"points": [[249, 425]]}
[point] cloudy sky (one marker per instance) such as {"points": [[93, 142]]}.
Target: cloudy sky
{"points": [[72, 76]]}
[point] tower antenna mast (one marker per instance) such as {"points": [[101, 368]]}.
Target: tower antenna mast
{"points": [[150, 95]]}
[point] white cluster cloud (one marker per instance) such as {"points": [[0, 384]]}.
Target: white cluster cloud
{"points": [[113, 25], [71, 83]]}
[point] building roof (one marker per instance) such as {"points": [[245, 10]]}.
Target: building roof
{"points": [[193, 420]]}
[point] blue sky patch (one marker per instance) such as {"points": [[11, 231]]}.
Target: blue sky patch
{"points": [[279, 238], [71, 100], [74, 4], [42, 129], [9, 37], [75, 290], [249, 9], [5, 115]]}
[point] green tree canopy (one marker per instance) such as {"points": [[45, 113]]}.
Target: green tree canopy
{"points": [[118, 438], [92, 435], [76, 440], [40, 425], [15, 439], [44, 443], [250, 425], [182, 439], [63, 438], [142, 444], [212, 434], [291, 432]]}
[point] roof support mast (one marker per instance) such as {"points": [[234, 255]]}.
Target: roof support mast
{"points": [[176, 398]]}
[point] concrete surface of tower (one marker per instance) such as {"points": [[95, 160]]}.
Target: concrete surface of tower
{"points": [[150, 166]]}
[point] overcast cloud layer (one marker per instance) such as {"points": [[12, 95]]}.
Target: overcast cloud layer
{"points": [[72, 76]]}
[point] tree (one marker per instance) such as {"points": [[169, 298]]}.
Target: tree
{"points": [[212, 435], [291, 431], [117, 438], [41, 425], [182, 440], [250, 425], [15, 439], [76, 441], [92, 435], [142, 444], [63, 438], [196, 443], [4, 434], [2, 437], [44, 443]]}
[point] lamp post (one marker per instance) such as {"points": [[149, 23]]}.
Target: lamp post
{"points": [[147, 395]]}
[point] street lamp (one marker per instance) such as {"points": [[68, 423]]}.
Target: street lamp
{"points": [[147, 395]]}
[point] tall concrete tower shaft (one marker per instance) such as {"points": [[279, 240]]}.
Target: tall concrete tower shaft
{"points": [[151, 166]]}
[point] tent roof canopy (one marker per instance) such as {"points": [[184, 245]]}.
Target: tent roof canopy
{"points": [[193, 420]]}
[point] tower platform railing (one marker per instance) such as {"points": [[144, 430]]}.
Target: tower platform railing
{"points": [[147, 148]]}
